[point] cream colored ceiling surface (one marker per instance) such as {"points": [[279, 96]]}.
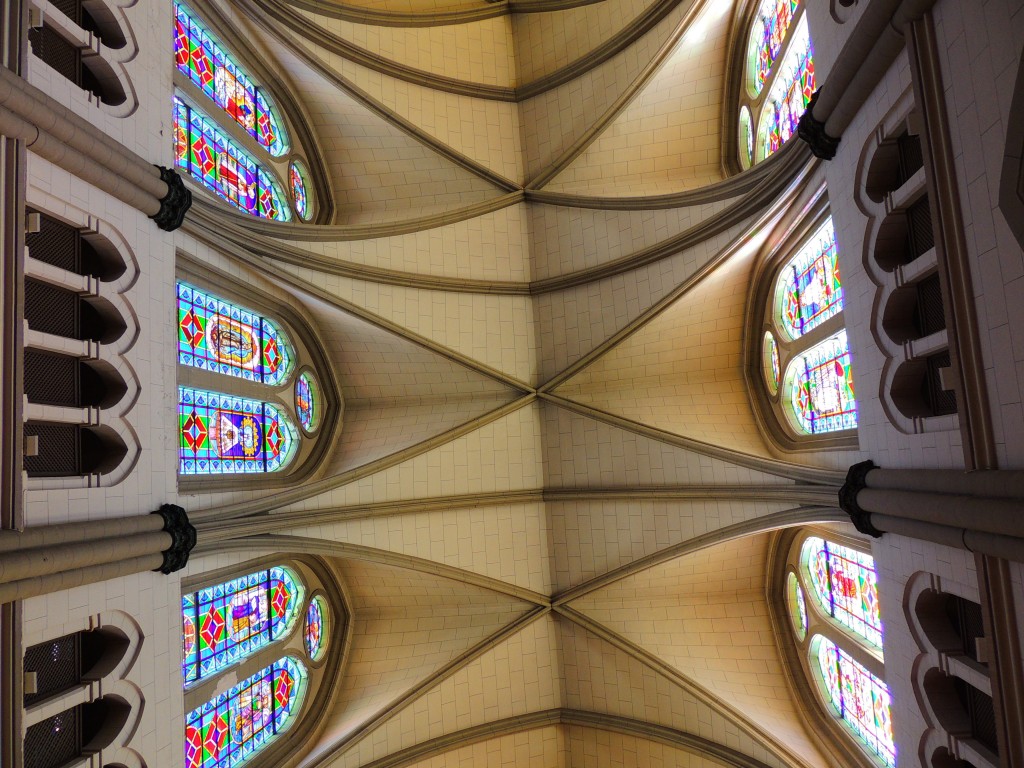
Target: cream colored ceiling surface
{"points": [[550, 503]]}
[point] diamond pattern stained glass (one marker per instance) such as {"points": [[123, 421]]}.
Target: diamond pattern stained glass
{"points": [[810, 290], [232, 727], [216, 335], [845, 585], [774, 18], [820, 383], [790, 93]]}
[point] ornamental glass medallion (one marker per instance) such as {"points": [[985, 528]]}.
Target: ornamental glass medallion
{"points": [[770, 362], [858, 697], [228, 622], [797, 606], [845, 586], [810, 290], [233, 726], [217, 335], [204, 151], [224, 434], [212, 70], [297, 181], [306, 406], [316, 627], [767, 37], [819, 383], [789, 95]]}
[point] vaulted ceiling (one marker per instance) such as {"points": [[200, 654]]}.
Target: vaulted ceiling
{"points": [[550, 499]]}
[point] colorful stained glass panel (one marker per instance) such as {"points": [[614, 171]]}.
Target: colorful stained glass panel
{"points": [[199, 57], [810, 290], [224, 434], [845, 586], [773, 20], [307, 406], [770, 362], [316, 627], [216, 335], [859, 698], [228, 622], [220, 165], [297, 178], [789, 95], [797, 606], [820, 385], [235, 725]]}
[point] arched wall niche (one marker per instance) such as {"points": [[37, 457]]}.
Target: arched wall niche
{"points": [[1011, 183], [319, 576], [798, 224], [828, 731], [314, 448], [303, 140]]}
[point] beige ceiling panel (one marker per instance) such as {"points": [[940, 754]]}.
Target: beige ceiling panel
{"points": [[477, 52], [574, 321], [502, 455], [592, 748], [667, 139], [517, 676], [600, 677], [683, 371], [486, 247], [509, 542], [546, 42], [416, 6], [536, 748], [553, 121], [564, 240], [705, 614]]}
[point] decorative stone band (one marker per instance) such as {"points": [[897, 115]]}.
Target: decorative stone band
{"points": [[813, 132], [175, 204], [183, 537]]}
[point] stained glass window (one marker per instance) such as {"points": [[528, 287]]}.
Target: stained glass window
{"points": [[810, 290], [746, 136], [859, 698], [203, 150], [770, 361], [797, 606], [316, 625], [225, 434], [216, 335], [790, 93], [238, 723], [214, 72], [774, 18], [846, 586], [297, 179], [820, 383], [228, 622], [306, 405]]}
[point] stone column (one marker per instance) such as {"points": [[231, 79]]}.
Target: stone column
{"points": [[977, 511], [50, 558]]}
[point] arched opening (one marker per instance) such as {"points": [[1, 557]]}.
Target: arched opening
{"points": [[86, 70]]}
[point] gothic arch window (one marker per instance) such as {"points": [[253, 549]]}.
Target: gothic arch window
{"points": [[228, 134], [250, 670], [804, 361], [831, 597], [239, 400], [778, 79]]}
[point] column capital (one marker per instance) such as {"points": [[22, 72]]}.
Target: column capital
{"points": [[812, 130], [175, 204], [183, 537], [857, 481]]}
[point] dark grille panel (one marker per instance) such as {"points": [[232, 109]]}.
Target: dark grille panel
{"points": [[56, 243], [919, 228], [57, 52], [981, 712], [54, 741], [70, 8], [931, 316], [60, 450], [966, 618], [911, 157], [57, 664], [51, 309], [940, 402], [52, 379]]}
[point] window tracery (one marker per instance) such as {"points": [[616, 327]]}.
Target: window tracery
{"points": [[838, 636], [779, 79]]}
